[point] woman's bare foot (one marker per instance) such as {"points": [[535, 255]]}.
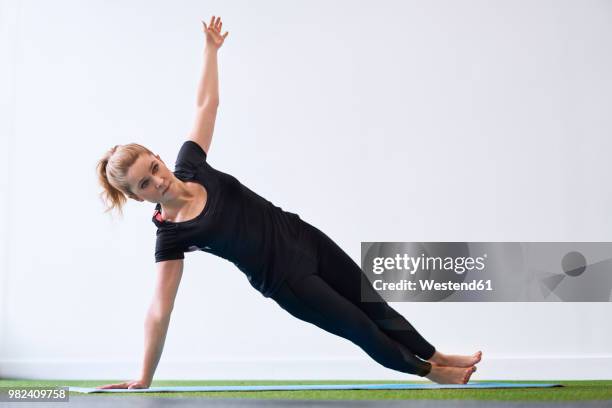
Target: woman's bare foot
{"points": [[450, 375], [455, 360]]}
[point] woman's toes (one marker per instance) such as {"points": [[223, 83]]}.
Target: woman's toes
{"points": [[468, 374]]}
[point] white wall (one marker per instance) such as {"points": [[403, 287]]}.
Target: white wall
{"points": [[390, 121]]}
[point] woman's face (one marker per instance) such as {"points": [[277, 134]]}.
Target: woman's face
{"points": [[150, 179]]}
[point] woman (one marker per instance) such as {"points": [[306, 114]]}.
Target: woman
{"points": [[284, 257]]}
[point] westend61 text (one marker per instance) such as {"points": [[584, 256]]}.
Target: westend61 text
{"points": [[429, 284]]}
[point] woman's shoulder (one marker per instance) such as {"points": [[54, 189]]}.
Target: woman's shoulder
{"points": [[190, 156]]}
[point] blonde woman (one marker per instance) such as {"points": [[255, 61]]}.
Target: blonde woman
{"points": [[285, 258]]}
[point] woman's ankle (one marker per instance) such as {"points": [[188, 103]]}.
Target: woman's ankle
{"points": [[437, 358]]}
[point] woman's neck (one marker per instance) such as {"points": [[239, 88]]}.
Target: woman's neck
{"points": [[183, 199]]}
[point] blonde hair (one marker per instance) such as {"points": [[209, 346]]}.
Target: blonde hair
{"points": [[112, 174]]}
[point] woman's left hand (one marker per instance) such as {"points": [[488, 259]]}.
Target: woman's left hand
{"points": [[214, 38]]}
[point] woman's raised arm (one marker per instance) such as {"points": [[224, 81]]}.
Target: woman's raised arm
{"points": [[207, 99]]}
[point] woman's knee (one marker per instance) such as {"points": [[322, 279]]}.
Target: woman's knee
{"points": [[362, 330]]}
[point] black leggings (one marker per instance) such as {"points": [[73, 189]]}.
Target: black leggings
{"points": [[329, 296]]}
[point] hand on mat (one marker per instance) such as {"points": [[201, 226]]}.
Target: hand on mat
{"points": [[214, 38], [129, 385]]}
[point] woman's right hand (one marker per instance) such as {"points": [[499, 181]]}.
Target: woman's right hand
{"points": [[138, 384]]}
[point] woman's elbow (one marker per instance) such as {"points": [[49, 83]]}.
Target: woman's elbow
{"points": [[209, 104], [160, 312]]}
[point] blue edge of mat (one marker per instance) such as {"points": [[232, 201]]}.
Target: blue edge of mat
{"points": [[204, 388]]}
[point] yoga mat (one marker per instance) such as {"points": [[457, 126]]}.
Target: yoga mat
{"points": [[201, 388]]}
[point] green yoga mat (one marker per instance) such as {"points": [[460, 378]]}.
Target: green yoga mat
{"points": [[204, 388]]}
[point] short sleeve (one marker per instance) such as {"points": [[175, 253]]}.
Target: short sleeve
{"points": [[166, 249], [190, 158]]}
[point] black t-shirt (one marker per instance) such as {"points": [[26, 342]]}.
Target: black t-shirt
{"points": [[261, 239]]}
